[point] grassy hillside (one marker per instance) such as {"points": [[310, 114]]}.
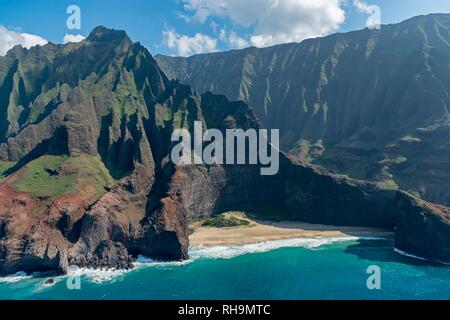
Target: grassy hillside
{"points": [[4, 167], [50, 177]]}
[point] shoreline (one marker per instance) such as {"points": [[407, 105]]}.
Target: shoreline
{"points": [[263, 231], [322, 235]]}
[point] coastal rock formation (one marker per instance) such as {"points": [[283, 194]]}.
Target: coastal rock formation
{"points": [[422, 228], [86, 177]]}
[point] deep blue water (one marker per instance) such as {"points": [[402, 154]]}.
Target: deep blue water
{"points": [[331, 271]]}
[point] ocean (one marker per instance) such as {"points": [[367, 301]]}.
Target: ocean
{"points": [[288, 269]]}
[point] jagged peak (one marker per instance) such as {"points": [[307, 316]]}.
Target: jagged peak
{"points": [[102, 33], [18, 49]]}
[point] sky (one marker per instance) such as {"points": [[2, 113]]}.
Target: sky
{"points": [[187, 27]]}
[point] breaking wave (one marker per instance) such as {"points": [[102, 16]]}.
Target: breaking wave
{"points": [[409, 255], [196, 253], [227, 252], [98, 275], [16, 277]]}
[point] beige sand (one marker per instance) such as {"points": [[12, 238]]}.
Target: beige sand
{"points": [[266, 231]]}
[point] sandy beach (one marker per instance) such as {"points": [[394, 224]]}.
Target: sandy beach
{"points": [[260, 231]]}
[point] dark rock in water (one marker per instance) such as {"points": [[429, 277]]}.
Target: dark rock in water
{"points": [[88, 180], [49, 282]]}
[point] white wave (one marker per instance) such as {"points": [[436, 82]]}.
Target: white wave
{"points": [[409, 255], [195, 252], [16, 277], [226, 252], [97, 275], [107, 275], [143, 261]]}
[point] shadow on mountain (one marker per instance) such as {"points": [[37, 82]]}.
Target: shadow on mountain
{"points": [[383, 251]]}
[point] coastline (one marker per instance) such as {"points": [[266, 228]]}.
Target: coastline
{"points": [[263, 231], [229, 242]]}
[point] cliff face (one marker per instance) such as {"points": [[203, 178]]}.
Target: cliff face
{"points": [[304, 193], [85, 174], [298, 192], [372, 104], [422, 228], [74, 143]]}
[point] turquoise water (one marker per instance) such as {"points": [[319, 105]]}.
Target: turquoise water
{"points": [[328, 271]]}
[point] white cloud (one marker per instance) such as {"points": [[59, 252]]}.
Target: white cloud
{"points": [[274, 21], [241, 11], [362, 6], [73, 38], [232, 39], [374, 21], [186, 46], [10, 38]]}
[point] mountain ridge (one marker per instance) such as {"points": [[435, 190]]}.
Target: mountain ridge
{"points": [[412, 19], [359, 103]]}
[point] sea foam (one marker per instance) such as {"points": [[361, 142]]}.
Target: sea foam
{"points": [[98, 275], [143, 261], [196, 253], [16, 277], [227, 252], [409, 255]]}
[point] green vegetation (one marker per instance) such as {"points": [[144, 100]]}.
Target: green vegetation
{"points": [[400, 160], [180, 119], [308, 151], [227, 220], [163, 114], [50, 177], [388, 184], [4, 167], [43, 178], [41, 103]]}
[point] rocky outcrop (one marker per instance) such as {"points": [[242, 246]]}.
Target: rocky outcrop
{"points": [[422, 228], [30, 242]]}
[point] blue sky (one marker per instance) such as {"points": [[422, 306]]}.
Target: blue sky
{"points": [[185, 27]]}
